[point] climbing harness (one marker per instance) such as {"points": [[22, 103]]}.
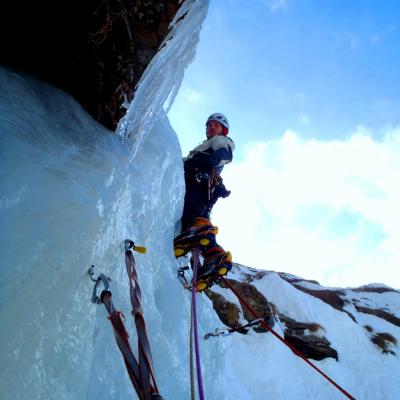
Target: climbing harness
{"points": [[294, 350], [141, 373]]}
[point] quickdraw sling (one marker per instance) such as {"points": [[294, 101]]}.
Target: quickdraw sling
{"points": [[141, 373]]}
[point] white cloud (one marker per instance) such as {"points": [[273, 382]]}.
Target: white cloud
{"points": [[276, 5], [352, 39], [303, 119], [191, 96], [375, 38], [325, 210]]}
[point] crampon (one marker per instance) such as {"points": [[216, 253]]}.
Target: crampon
{"points": [[201, 234]]}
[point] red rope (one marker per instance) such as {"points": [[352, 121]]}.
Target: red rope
{"points": [[121, 336], [141, 373], [294, 350], [146, 369]]}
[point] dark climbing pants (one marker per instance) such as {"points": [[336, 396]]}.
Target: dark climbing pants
{"points": [[197, 203]]}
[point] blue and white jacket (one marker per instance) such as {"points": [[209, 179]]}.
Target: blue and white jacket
{"points": [[215, 152]]}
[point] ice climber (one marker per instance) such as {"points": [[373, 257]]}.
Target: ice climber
{"points": [[204, 186]]}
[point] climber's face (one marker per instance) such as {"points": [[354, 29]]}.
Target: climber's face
{"points": [[213, 128]]}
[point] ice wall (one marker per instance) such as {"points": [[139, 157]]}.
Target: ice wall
{"points": [[69, 198], [71, 193]]}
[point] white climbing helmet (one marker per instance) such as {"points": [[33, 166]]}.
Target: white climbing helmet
{"points": [[221, 119]]}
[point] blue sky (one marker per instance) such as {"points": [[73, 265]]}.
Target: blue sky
{"points": [[312, 93]]}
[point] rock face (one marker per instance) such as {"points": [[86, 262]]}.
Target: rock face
{"points": [[96, 50], [308, 337], [303, 336]]}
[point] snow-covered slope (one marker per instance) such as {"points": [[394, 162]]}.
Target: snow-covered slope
{"points": [[72, 192], [362, 325]]}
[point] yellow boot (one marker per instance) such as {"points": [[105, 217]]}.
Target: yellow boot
{"points": [[201, 233]]}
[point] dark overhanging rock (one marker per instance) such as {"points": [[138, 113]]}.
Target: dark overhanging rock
{"points": [[94, 50]]}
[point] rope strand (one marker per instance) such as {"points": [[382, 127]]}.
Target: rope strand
{"points": [[145, 358], [195, 259], [294, 350], [141, 373], [192, 391]]}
